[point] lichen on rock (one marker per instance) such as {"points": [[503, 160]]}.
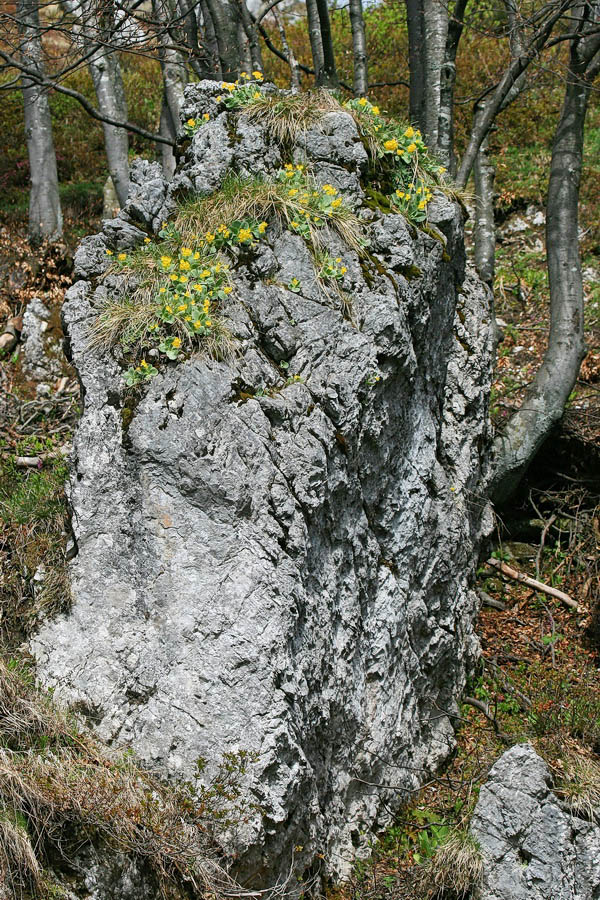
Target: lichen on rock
{"points": [[275, 548]]}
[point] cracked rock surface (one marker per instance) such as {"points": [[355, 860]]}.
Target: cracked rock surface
{"points": [[283, 567], [534, 847]]}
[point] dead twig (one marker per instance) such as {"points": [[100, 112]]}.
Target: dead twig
{"points": [[507, 570]]}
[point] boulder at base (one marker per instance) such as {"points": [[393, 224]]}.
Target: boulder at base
{"points": [[273, 564], [534, 847]]}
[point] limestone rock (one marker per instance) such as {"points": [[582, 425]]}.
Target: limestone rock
{"points": [[535, 849], [275, 565], [41, 351]]}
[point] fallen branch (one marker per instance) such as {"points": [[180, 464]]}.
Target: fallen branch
{"points": [[36, 462], [484, 708], [533, 583]]}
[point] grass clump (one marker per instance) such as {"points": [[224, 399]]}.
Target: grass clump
{"points": [[34, 523], [60, 789], [456, 868], [578, 783]]}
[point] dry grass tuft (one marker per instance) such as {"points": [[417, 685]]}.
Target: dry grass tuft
{"points": [[579, 785], [262, 199], [56, 780], [456, 868], [287, 118]]}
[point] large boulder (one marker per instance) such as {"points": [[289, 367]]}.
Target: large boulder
{"points": [[534, 847], [276, 565]]}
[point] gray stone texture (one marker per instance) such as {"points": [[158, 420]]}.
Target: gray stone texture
{"points": [[534, 848], [284, 568]]}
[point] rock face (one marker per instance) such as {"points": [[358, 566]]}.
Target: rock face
{"points": [[284, 567], [535, 849]]}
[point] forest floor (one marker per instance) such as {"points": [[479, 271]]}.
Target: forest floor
{"points": [[538, 677]]}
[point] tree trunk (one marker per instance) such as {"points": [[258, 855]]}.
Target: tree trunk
{"points": [[225, 18], [316, 42], [45, 216], [484, 230], [210, 38], [108, 84], [359, 49], [251, 32], [445, 144], [175, 78], [288, 51], [435, 19], [328, 76], [545, 400], [416, 100]]}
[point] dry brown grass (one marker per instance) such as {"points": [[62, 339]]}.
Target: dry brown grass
{"points": [[287, 118], [261, 199], [579, 785], [456, 868], [55, 779]]}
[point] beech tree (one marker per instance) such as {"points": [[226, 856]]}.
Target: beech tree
{"points": [[45, 216]]}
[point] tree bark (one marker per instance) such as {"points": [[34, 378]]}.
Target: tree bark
{"points": [[445, 144], [327, 78], [435, 18], [175, 78], [108, 84], [224, 15], [545, 400], [314, 34], [295, 84], [484, 229], [251, 32], [359, 48], [416, 99], [45, 216]]}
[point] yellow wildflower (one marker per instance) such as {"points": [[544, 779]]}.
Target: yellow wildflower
{"points": [[343, 270], [411, 148], [168, 309], [177, 342], [362, 102], [208, 323], [185, 251], [206, 117], [442, 169], [262, 227], [209, 237], [244, 234], [174, 277], [227, 290], [108, 252], [147, 240], [410, 132], [144, 364], [256, 95], [184, 265], [122, 256], [391, 145], [290, 173], [292, 192], [166, 261], [219, 98], [182, 307], [183, 278], [422, 204], [337, 202], [375, 110], [205, 273], [258, 75], [228, 86], [329, 189], [400, 194], [191, 123], [188, 319], [244, 75]]}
